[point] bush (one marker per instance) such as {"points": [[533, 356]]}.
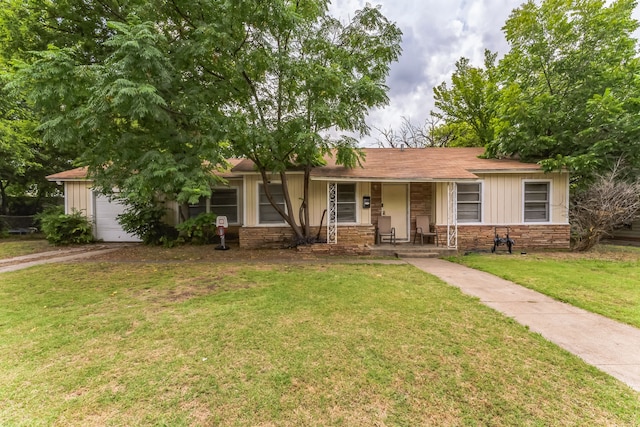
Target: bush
{"points": [[200, 230], [597, 210], [65, 229], [144, 220]]}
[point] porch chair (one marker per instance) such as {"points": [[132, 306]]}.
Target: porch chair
{"points": [[423, 229], [385, 231]]}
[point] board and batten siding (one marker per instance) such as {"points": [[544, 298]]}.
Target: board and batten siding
{"points": [[503, 198], [78, 197], [317, 199]]}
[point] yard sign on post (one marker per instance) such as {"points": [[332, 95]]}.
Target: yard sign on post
{"points": [[222, 224]]}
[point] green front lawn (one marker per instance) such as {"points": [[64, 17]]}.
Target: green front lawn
{"points": [[604, 281], [224, 343], [25, 245]]}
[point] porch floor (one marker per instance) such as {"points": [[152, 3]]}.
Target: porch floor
{"points": [[409, 250]]}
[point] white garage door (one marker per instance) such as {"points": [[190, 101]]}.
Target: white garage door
{"points": [[106, 224]]}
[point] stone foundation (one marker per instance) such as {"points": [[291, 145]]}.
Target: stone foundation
{"points": [[480, 237], [351, 238], [356, 239]]}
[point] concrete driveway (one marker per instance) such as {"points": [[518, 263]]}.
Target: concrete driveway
{"points": [[610, 346], [58, 255]]}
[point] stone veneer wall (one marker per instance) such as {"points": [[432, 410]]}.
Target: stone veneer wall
{"points": [[480, 237], [278, 237], [420, 197]]}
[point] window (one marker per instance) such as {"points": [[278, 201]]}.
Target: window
{"points": [[346, 203], [469, 202], [198, 208], [267, 214], [224, 202], [536, 202]]}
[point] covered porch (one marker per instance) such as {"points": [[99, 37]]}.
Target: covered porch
{"points": [[404, 202]]}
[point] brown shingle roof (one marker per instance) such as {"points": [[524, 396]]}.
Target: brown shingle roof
{"points": [[81, 173], [417, 164], [70, 175], [411, 164]]}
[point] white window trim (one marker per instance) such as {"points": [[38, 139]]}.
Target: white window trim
{"points": [[549, 207], [271, 224], [231, 187], [481, 191], [357, 197]]}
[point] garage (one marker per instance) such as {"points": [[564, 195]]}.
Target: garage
{"points": [[106, 224]]}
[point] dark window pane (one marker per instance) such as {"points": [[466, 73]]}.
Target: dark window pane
{"points": [[468, 197], [224, 202], [198, 208], [468, 188]]}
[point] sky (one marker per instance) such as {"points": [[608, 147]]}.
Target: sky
{"points": [[436, 33]]}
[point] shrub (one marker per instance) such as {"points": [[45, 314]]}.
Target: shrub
{"points": [[65, 229], [598, 209], [200, 230], [144, 220]]}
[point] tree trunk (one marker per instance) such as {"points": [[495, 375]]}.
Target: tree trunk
{"points": [[300, 234], [305, 201], [3, 199], [285, 190]]}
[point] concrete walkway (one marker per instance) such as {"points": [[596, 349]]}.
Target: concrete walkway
{"points": [[610, 346]]}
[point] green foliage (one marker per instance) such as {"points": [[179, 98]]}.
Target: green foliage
{"points": [[144, 219], [200, 230], [470, 105], [571, 89], [65, 229], [155, 95]]}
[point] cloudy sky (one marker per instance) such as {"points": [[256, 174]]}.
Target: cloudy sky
{"points": [[436, 33]]}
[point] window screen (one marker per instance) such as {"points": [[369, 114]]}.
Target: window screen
{"points": [[536, 202], [469, 202], [346, 202], [267, 213]]}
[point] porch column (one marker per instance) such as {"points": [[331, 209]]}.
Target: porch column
{"points": [[332, 208], [452, 215]]}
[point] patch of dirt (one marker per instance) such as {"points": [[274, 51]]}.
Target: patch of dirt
{"points": [[208, 253], [188, 288]]}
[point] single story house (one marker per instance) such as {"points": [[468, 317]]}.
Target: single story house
{"points": [[628, 232], [468, 199]]}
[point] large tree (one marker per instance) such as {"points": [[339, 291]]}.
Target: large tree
{"points": [[153, 95], [570, 93], [17, 142], [24, 159], [470, 103]]}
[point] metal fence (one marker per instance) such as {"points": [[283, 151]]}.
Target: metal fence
{"points": [[18, 224]]}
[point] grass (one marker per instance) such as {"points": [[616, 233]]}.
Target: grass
{"points": [[603, 281], [24, 245], [194, 343]]}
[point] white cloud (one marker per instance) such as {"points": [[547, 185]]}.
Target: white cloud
{"points": [[436, 34]]}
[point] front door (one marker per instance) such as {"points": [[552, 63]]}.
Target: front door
{"points": [[395, 204]]}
